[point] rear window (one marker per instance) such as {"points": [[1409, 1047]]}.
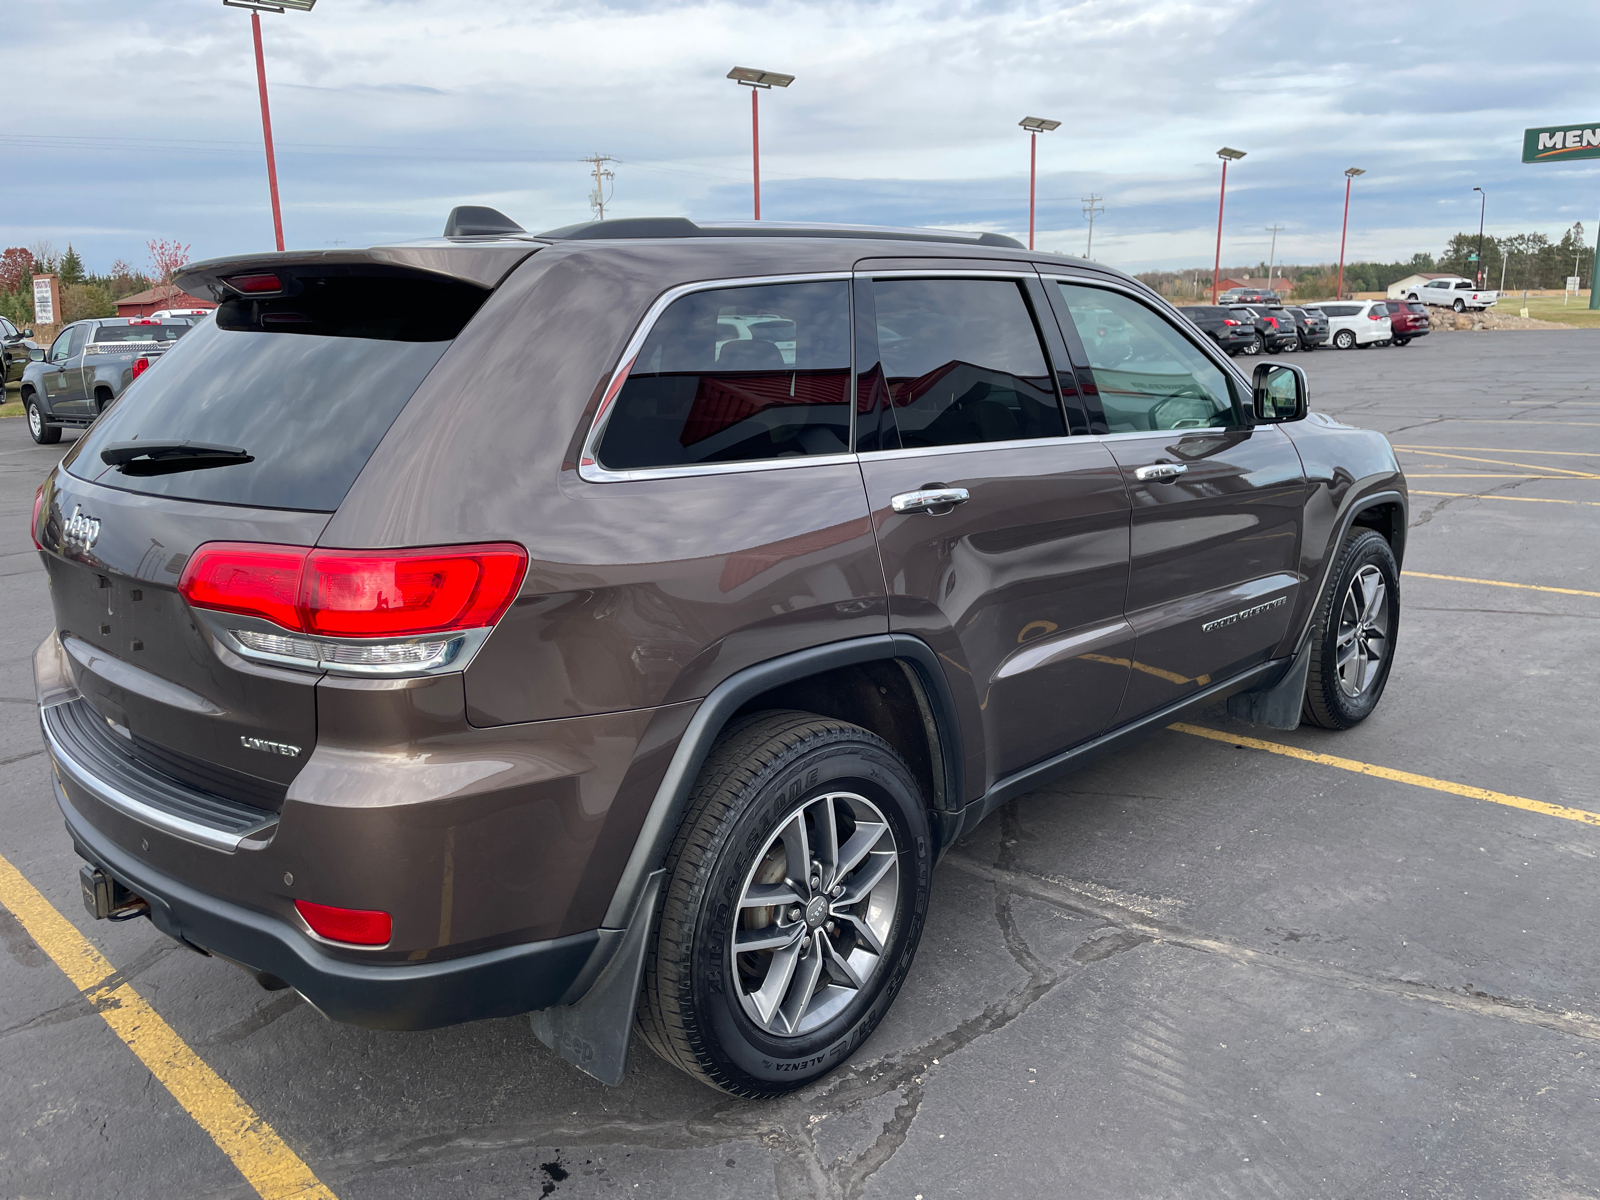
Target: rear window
{"points": [[306, 384], [139, 333], [1412, 306]]}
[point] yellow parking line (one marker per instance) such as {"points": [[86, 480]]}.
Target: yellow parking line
{"points": [[1531, 587], [1493, 496], [1485, 475], [1424, 781], [274, 1170], [1497, 462], [1504, 450]]}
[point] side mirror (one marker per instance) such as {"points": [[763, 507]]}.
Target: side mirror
{"points": [[36, 354], [27, 333], [1281, 393]]}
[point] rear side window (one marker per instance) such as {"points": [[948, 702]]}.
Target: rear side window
{"points": [[1148, 374], [163, 335], [1341, 310], [306, 384], [737, 375], [963, 362]]}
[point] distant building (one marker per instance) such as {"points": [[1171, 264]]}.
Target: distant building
{"points": [[1399, 288], [1284, 287], [142, 304]]}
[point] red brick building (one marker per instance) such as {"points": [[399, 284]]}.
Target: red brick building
{"points": [[142, 304]]}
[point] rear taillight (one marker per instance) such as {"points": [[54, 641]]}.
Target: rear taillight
{"points": [[357, 593], [1375, 316], [140, 366], [33, 527], [1273, 321], [1229, 321], [353, 926]]}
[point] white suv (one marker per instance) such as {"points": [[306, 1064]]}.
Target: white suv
{"points": [[1360, 323]]}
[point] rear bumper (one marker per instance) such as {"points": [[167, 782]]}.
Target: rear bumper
{"points": [[423, 995]]}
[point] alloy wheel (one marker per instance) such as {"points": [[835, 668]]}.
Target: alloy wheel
{"points": [[35, 420], [1363, 631], [816, 912]]}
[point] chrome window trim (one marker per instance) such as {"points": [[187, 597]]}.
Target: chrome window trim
{"points": [[942, 273], [870, 456], [1212, 352], [590, 468]]}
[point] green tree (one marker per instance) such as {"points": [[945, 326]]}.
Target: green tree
{"points": [[80, 301], [71, 269]]}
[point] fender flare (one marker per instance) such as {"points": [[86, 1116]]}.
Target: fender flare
{"points": [[672, 795]]}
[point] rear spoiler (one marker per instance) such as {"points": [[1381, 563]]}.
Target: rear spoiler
{"points": [[483, 265]]}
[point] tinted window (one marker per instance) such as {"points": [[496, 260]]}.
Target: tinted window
{"points": [[737, 374], [140, 333], [1148, 374], [1341, 310], [7, 328], [963, 362], [308, 398], [1413, 306]]}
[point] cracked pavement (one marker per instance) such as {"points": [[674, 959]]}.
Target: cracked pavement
{"points": [[1189, 970]]}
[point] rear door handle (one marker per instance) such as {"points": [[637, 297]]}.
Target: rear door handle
{"points": [[928, 498], [1160, 472]]}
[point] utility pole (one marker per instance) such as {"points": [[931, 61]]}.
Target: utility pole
{"points": [[1089, 210], [1272, 258], [602, 177]]}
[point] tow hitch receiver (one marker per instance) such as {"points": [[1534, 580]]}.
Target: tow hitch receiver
{"points": [[106, 899]]}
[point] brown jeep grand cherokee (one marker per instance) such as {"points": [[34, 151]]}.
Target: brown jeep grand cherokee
{"points": [[617, 623]]}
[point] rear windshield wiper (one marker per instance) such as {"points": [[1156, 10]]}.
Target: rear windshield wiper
{"points": [[166, 458]]}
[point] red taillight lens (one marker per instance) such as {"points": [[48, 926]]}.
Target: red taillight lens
{"points": [[140, 366], [254, 284], [246, 578], [386, 593], [356, 926], [1376, 316], [1229, 321], [357, 593], [33, 527]]}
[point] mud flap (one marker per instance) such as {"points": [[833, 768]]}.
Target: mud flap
{"points": [[593, 1033], [1277, 707]]}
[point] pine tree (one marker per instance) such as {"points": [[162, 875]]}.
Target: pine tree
{"points": [[71, 269]]}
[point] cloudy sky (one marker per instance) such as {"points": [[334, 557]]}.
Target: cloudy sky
{"points": [[139, 120]]}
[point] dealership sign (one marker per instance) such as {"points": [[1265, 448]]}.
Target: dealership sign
{"points": [[1558, 143]]}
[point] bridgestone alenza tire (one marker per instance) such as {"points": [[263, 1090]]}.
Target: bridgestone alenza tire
{"points": [[769, 785], [1353, 638]]}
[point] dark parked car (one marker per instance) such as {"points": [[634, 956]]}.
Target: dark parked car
{"points": [[1408, 319], [1274, 327], [16, 347], [1311, 327], [87, 367], [618, 623], [1232, 332]]}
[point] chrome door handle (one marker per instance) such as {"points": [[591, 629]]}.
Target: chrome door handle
{"points": [[1160, 473], [927, 498]]}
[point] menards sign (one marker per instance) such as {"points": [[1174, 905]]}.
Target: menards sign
{"points": [[1558, 143]]}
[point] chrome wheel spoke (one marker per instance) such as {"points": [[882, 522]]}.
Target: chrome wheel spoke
{"points": [[797, 852], [802, 988], [861, 843], [860, 885], [839, 968], [770, 937], [760, 895], [864, 934], [827, 847], [776, 985], [1376, 593]]}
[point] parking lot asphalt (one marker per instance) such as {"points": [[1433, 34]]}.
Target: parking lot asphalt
{"points": [[1205, 966]]}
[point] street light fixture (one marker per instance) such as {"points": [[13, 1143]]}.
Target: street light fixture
{"points": [[256, 8], [1349, 176], [1483, 205], [1035, 126], [757, 81], [1227, 154]]}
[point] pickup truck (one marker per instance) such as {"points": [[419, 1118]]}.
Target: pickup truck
{"points": [[87, 367], [1452, 292]]}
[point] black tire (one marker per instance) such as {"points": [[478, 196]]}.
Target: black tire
{"points": [[1255, 345], [764, 771], [1331, 702], [1405, 341], [42, 432], [103, 399], [1344, 339]]}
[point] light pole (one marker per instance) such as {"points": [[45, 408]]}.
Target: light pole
{"points": [[757, 82], [1344, 230], [1272, 258], [1227, 155], [1483, 205], [1035, 126], [256, 8]]}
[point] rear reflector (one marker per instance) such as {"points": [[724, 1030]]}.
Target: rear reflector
{"points": [[357, 593], [254, 284], [354, 926]]}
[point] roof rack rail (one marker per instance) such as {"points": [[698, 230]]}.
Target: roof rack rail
{"points": [[682, 227]]}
